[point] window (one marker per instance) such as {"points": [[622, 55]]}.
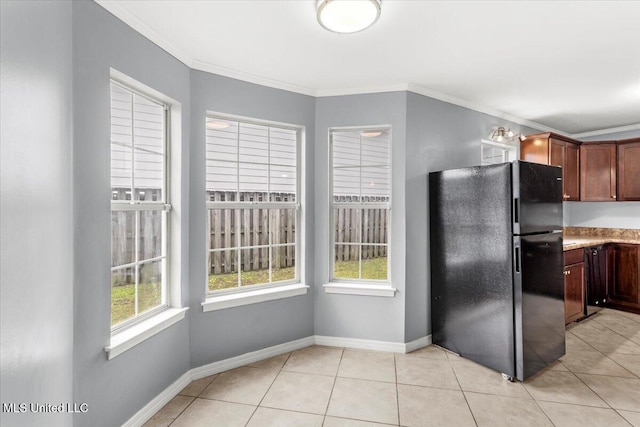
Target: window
{"points": [[139, 206], [360, 200], [253, 211], [494, 152]]}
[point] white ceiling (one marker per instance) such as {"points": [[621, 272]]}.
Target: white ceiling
{"points": [[573, 66]]}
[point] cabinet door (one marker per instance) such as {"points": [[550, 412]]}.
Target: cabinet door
{"points": [[571, 175], [598, 166], [573, 292], [629, 171], [623, 281], [556, 152]]}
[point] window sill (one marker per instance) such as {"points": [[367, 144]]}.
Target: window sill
{"points": [[251, 297], [130, 337], [360, 289]]}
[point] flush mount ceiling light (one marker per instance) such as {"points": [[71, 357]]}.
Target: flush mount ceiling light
{"points": [[347, 16], [217, 125]]}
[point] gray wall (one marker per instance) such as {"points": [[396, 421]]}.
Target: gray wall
{"points": [[352, 316], [604, 214], [439, 136], [36, 293], [116, 389], [231, 332]]}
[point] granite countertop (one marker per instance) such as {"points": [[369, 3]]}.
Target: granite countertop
{"points": [[583, 237]]}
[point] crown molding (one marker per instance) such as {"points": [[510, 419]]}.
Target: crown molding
{"points": [[251, 78], [421, 90], [323, 93], [136, 24], [606, 131]]}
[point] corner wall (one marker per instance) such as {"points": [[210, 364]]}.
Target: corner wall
{"points": [[604, 214], [115, 389], [355, 316], [36, 272], [218, 335], [439, 136]]}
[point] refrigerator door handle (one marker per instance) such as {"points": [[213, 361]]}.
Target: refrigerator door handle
{"points": [[517, 258], [516, 205]]}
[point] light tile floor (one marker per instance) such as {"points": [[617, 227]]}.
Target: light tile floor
{"points": [[597, 383]]}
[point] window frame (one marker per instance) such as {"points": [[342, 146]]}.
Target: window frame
{"points": [[163, 206], [237, 206], [374, 287], [155, 321]]}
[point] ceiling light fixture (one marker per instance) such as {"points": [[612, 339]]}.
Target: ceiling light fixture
{"points": [[347, 16], [217, 125]]}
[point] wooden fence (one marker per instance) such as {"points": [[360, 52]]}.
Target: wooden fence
{"points": [[254, 226], [372, 225], [254, 231], [123, 229]]}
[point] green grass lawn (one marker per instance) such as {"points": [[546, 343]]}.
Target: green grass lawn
{"points": [[375, 268], [123, 300], [150, 293]]}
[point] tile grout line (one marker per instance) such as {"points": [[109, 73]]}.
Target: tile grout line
{"points": [[464, 395], [335, 378], [395, 372], [594, 392], [595, 319], [578, 338], [538, 403], [268, 388], [190, 403], [605, 355], [623, 417], [622, 316]]}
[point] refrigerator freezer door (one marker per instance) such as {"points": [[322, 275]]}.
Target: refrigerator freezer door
{"points": [[537, 192], [539, 302], [471, 264]]}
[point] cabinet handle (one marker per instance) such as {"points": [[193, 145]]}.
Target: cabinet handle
{"points": [[613, 197], [568, 271]]}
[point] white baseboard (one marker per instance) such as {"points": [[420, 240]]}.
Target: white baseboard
{"points": [[245, 359], [144, 414], [417, 344], [359, 344]]}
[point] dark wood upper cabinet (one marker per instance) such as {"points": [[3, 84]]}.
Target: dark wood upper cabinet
{"points": [[598, 172], [629, 169], [556, 150], [571, 175]]}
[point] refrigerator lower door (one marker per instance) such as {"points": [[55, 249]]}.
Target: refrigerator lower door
{"points": [[538, 301]]}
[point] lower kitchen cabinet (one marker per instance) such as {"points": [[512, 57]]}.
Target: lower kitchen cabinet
{"points": [[574, 295], [623, 265]]}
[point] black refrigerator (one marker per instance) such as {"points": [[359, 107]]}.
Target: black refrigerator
{"points": [[497, 284]]}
